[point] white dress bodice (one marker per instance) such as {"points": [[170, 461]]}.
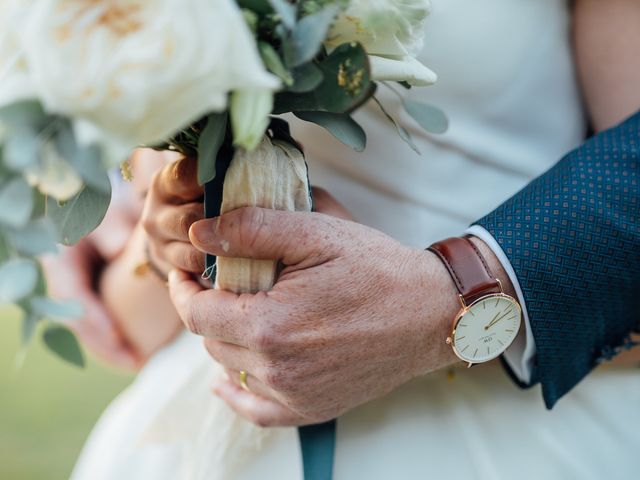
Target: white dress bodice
{"points": [[507, 84]]}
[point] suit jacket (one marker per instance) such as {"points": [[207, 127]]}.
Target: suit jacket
{"points": [[573, 239]]}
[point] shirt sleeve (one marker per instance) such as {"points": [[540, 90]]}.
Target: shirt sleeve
{"points": [[520, 354]]}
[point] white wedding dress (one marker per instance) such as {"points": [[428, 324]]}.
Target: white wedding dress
{"points": [[507, 83]]}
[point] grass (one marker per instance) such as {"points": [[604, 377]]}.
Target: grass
{"points": [[47, 407]]}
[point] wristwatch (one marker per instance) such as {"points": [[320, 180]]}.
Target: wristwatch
{"points": [[489, 319]]}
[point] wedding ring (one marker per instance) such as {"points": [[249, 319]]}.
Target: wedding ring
{"points": [[243, 380]]}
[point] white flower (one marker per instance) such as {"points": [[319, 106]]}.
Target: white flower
{"points": [[392, 32], [53, 175], [132, 72], [15, 84], [250, 116]]}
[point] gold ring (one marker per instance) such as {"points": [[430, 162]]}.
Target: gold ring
{"points": [[243, 380]]}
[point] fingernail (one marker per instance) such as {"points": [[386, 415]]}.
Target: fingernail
{"points": [[205, 230]]}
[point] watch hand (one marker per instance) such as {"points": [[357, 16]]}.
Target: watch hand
{"points": [[491, 322], [486, 327], [496, 320]]}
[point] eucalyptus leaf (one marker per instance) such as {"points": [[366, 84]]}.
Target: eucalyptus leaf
{"points": [[18, 278], [86, 160], [37, 237], [262, 7], [62, 342], [209, 145], [272, 60], [307, 37], [345, 86], [56, 310], [21, 149], [402, 132], [4, 250], [28, 328], [24, 114], [340, 125], [16, 203], [80, 215], [286, 11], [306, 77], [431, 118]]}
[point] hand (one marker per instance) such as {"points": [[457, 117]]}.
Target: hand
{"points": [[174, 203], [72, 275], [353, 315]]}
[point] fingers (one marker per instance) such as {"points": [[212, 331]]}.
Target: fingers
{"points": [[262, 411], [174, 222], [216, 314], [324, 202], [254, 385], [181, 255], [178, 182], [266, 234]]}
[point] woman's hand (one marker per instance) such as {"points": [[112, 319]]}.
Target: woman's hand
{"points": [[73, 274]]}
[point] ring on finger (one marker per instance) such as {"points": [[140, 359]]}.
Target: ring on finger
{"points": [[243, 380]]}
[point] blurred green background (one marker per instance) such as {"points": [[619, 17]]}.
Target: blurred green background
{"points": [[47, 407]]}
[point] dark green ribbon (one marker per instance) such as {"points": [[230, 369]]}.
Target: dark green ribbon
{"points": [[317, 443]]}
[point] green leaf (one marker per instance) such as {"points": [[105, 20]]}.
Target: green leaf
{"points": [[16, 203], [307, 37], [18, 278], [85, 160], [28, 328], [56, 310], [340, 125], [286, 11], [402, 132], [345, 86], [306, 77], [209, 145], [430, 118], [261, 7], [80, 215], [4, 250], [62, 342], [21, 149], [39, 236], [24, 115], [273, 62]]}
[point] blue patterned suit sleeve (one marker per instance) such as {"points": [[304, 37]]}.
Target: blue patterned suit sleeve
{"points": [[573, 239]]}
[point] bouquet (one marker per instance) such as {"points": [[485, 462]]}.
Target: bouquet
{"points": [[82, 83]]}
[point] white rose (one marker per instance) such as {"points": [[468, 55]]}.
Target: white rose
{"points": [[392, 33], [134, 72], [15, 84]]}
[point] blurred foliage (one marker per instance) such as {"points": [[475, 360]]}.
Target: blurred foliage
{"points": [[47, 407]]}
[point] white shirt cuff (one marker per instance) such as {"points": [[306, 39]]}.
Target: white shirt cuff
{"points": [[520, 354]]}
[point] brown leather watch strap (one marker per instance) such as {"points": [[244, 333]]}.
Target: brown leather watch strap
{"points": [[467, 267]]}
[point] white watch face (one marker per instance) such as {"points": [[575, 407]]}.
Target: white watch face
{"points": [[486, 328]]}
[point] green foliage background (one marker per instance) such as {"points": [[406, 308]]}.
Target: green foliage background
{"points": [[47, 407]]}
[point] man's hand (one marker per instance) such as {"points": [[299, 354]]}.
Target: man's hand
{"points": [[353, 315], [173, 204]]}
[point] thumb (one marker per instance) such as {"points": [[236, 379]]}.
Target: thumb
{"points": [[266, 234]]}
